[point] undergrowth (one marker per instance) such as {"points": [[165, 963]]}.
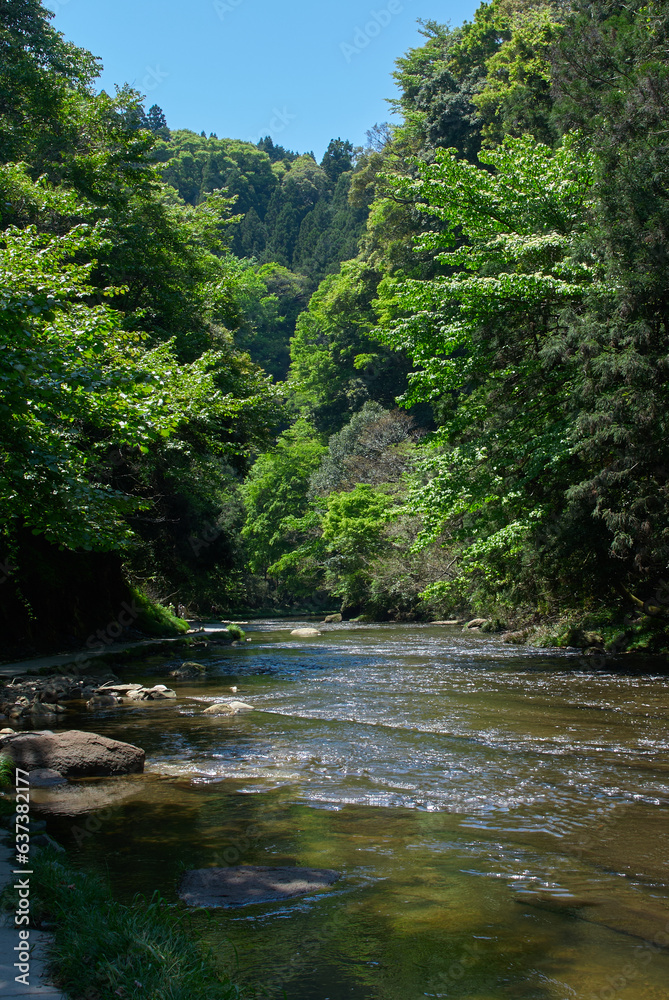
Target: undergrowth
{"points": [[104, 949]]}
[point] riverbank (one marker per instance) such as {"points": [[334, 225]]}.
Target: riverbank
{"points": [[40, 986], [102, 948], [96, 947], [116, 653]]}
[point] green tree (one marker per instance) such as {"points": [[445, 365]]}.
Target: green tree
{"points": [[354, 539], [488, 341], [157, 122], [73, 384], [271, 298], [39, 74], [338, 159], [276, 498], [338, 364]]}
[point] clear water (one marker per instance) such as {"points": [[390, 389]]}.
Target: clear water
{"points": [[499, 816]]}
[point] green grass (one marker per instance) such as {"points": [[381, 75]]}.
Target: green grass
{"points": [[7, 771], [237, 633], [155, 619], [104, 949]]}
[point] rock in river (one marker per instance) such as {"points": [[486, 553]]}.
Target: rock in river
{"points": [[228, 708], [45, 777], [475, 623], [306, 633], [73, 754], [189, 670], [248, 884]]}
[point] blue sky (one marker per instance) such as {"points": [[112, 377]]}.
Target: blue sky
{"points": [[302, 71]]}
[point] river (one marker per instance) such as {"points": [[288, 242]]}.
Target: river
{"points": [[498, 814]]}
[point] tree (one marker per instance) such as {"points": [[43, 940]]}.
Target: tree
{"points": [[73, 385], [338, 159], [338, 364], [353, 536], [361, 451], [276, 153], [489, 344], [39, 72], [157, 122], [276, 498]]}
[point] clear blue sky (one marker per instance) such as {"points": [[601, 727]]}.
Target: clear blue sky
{"points": [[304, 71]]}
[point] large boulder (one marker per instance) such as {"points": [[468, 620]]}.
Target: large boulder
{"points": [[306, 633], [246, 884], [73, 754]]}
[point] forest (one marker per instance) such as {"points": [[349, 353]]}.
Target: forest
{"points": [[422, 379]]}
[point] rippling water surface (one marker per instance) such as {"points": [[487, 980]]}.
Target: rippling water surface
{"points": [[499, 815]]}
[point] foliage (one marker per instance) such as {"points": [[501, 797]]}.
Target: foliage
{"points": [[73, 383], [535, 349], [237, 633], [276, 496], [39, 74], [365, 450], [271, 297], [7, 771], [487, 341], [293, 212], [338, 159], [353, 537], [155, 619], [496, 261], [120, 382], [337, 363]]}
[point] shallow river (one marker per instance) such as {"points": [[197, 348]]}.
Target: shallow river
{"points": [[499, 815]]}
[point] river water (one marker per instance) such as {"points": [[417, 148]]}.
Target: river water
{"points": [[499, 815]]}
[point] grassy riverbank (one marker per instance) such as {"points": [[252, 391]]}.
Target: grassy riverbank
{"points": [[104, 949]]}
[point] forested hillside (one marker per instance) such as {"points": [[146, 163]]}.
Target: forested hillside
{"points": [[421, 379]]}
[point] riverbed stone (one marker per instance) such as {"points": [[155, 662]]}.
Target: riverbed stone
{"points": [[517, 638], [332, 620], [73, 754], [306, 633], [190, 670], [104, 701], [248, 884], [113, 694], [116, 688], [158, 693], [81, 798], [45, 777]]}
